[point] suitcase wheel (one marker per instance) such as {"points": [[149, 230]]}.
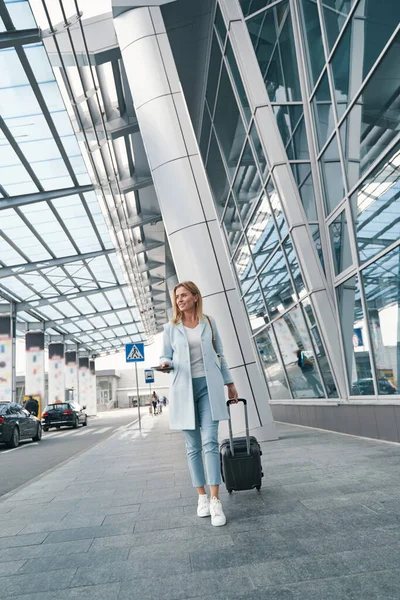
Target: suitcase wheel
{"points": [[260, 452], [258, 488], [262, 474], [230, 491]]}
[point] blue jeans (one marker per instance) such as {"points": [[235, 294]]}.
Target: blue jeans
{"points": [[206, 439]]}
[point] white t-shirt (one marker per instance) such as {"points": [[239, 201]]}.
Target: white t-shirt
{"points": [[196, 355]]}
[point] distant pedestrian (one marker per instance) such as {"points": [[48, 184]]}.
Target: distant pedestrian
{"points": [[154, 401]]}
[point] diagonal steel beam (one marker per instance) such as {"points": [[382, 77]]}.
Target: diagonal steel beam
{"points": [[53, 262], [110, 328], [9, 39], [66, 297], [16, 201]]}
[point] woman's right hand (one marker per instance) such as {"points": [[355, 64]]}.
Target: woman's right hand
{"points": [[166, 365]]}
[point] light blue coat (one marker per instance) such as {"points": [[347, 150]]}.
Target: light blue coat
{"points": [[176, 351]]}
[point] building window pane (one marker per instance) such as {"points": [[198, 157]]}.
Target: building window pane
{"points": [[316, 236], [251, 6], [228, 123], [355, 340], [321, 355], [335, 13], [298, 355], [217, 175], [294, 267], [247, 185], [273, 369], [254, 303], [276, 285], [260, 156], [323, 112], [238, 81], [340, 243], [292, 129], [376, 207], [382, 293], [262, 233], [313, 37], [220, 25], [277, 208], [272, 37], [374, 120], [213, 73], [244, 265], [205, 134], [307, 197], [232, 224], [332, 176]]}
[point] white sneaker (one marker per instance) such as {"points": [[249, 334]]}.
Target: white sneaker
{"points": [[217, 514], [203, 506]]}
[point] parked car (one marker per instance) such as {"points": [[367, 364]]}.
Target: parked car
{"points": [[63, 413], [365, 387], [17, 423]]}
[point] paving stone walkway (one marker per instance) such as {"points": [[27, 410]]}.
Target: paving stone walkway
{"points": [[118, 523]]}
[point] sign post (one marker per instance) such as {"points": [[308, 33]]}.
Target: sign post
{"points": [[134, 353], [149, 377]]}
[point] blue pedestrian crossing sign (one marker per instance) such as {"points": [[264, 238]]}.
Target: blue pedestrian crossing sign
{"points": [[134, 352], [149, 376]]}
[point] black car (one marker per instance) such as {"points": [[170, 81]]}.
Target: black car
{"points": [[16, 423], [63, 413]]}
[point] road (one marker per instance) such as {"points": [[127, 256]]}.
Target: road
{"points": [[30, 459]]}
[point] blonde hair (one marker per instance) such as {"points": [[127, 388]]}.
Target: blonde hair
{"points": [[193, 289]]}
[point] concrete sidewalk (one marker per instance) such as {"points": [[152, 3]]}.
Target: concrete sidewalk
{"points": [[119, 522]]}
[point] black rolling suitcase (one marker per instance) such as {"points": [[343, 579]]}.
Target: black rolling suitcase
{"points": [[241, 458]]}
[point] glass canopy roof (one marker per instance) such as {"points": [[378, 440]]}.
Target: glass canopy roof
{"points": [[67, 234]]}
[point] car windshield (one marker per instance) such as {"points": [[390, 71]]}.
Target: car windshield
{"points": [[60, 406]]}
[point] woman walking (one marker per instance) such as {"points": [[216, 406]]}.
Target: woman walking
{"points": [[192, 349]]}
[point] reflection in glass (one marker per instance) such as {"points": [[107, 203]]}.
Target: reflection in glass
{"points": [[251, 6], [298, 355], [335, 13], [261, 233], [376, 207], [205, 134], [312, 34], [317, 243], [381, 282], [254, 302], [292, 129], [272, 37], [324, 119], [220, 25], [362, 42], [259, 153], [355, 341], [274, 373], [294, 267], [332, 176], [374, 120], [247, 185], [228, 123], [277, 208], [238, 81], [340, 243], [276, 285], [243, 264], [213, 73], [232, 224], [217, 175]]}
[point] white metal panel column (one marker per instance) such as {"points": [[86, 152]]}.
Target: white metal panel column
{"points": [[185, 199]]}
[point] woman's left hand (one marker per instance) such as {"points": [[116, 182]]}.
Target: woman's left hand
{"points": [[232, 392]]}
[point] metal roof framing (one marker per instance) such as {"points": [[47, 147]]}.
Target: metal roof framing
{"points": [[54, 289]]}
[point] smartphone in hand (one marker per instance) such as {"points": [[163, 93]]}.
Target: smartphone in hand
{"points": [[165, 369]]}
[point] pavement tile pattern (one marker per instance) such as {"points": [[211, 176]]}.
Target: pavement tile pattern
{"points": [[118, 522]]}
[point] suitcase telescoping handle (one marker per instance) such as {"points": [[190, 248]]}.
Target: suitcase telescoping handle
{"points": [[246, 418]]}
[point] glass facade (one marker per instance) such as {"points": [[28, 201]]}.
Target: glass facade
{"points": [[331, 76]]}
